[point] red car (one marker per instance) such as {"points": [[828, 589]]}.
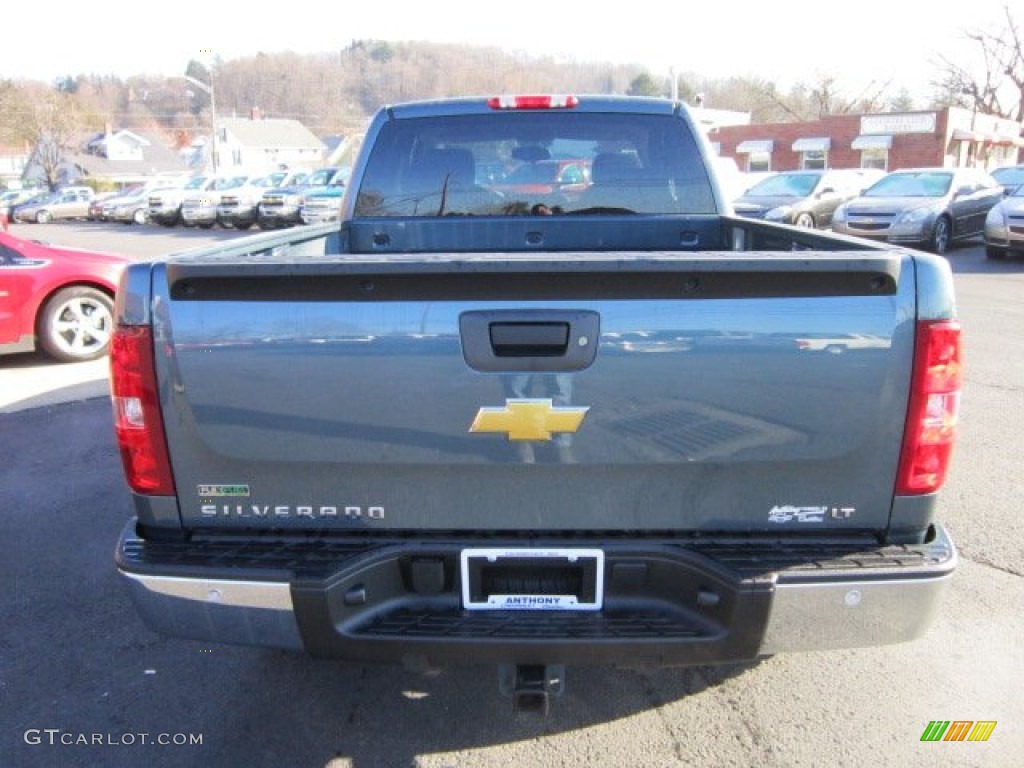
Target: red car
{"points": [[61, 299]]}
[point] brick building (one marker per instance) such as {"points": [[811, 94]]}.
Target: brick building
{"points": [[949, 137]]}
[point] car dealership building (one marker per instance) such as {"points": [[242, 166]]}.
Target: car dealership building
{"points": [[951, 137]]}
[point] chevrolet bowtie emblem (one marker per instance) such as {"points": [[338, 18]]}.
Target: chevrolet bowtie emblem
{"points": [[528, 419]]}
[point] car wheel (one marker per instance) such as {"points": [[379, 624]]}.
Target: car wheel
{"points": [[140, 216], [995, 254], [804, 220], [940, 236], [76, 324], [206, 225], [43, 217]]}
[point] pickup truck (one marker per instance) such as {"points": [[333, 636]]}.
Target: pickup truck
{"points": [[199, 208], [282, 207], [461, 426], [165, 204], [238, 207], [321, 204]]}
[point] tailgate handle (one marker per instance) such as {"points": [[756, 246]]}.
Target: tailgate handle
{"points": [[529, 340]]}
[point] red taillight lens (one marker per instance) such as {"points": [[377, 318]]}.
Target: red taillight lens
{"points": [[934, 407], [549, 101], [137, 421]]}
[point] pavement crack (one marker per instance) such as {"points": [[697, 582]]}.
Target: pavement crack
{"points": [[998, 386], [657, 704], [966, 555]]}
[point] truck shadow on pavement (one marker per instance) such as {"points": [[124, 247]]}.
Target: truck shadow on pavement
{"points": [[369, 716]]}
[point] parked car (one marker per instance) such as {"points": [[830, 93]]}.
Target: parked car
{"points": [[15, 197], [801, 198], [102, 206], [71, 203], [238, 207], [282, 207], [922, 207], [134, 208], [60, 299], [95, 212], [199, 208], [101, 202], [1004, 226], [1010, 176], [165, 204], [320, 204]]}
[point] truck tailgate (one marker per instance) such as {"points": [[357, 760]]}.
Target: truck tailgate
{"points": [[599, 392]]}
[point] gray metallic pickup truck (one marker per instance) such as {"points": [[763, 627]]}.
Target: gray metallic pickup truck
{"points": [[530, 425]]}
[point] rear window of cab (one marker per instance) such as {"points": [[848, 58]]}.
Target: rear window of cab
{"points": [[500, 164]]}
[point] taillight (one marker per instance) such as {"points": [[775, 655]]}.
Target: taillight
{"points": [[137, 421], [934, 407], [549, 101]]}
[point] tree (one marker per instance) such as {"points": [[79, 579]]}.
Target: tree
{"points": [[200, 98], [643, 85], [992, 84], [15, 105], [55, 124]]}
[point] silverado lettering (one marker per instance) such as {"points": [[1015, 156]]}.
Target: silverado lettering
{"points": [[282, 510], [531, 261]]}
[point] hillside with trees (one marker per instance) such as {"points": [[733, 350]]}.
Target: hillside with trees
{"points": [[336, 93]]}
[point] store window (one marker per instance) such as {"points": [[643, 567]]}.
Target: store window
{"points": [[759, 154], [875, 158], [813, 152], [874, 150], [758, 162], [814, 160]]}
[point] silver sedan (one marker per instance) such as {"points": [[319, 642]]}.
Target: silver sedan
{"points": [[921, 207], [1004, 226]]}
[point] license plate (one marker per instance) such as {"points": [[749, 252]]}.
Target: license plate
{"points": [[532, 579]]}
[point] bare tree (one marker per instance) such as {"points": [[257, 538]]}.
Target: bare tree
{"points": [[55, 124], [994, 83]]}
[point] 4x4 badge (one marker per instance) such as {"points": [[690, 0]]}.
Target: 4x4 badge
{"points": [[528, 419]]}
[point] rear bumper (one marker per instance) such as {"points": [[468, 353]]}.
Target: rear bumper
{"points": [[667, 602]]}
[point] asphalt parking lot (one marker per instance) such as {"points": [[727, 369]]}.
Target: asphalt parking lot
{"points": [[84, 683]]}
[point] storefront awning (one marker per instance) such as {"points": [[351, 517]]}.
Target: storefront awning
{"points": [[877, 141], [962, 134], [1008, 141], [753, 147], [815, 144]]}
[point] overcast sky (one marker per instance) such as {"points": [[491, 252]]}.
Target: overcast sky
{"points": [[858, 42]]}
